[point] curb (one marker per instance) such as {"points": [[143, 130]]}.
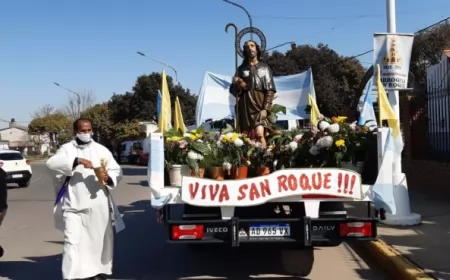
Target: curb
{"points": [[394, 262]]}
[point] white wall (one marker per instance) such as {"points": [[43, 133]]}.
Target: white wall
{"points": [[13, 134]]}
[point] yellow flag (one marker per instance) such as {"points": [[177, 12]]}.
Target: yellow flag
{"points": [[385, 110], [165, 116], [315, 113], [387, 113], [178, 122]]}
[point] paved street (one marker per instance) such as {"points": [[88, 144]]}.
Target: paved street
{"points": [[33, 246]]}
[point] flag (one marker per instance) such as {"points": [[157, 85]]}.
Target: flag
{"points": [[367, 115], [165, 115], [158, 104], [315, 113], [387, 113], [178, 122]]}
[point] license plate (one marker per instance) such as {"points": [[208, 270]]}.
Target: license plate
{"points": [[269, 230], [17, 175]]}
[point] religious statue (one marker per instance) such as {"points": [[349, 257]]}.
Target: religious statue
{"points": [[254, 89]]}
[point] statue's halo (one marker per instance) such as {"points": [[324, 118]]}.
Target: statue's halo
{"points": [[246, 31]]}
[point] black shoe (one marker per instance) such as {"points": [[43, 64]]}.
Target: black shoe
{"points": [[1, 251]]}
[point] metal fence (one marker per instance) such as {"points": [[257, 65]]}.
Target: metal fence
{"points": [[438, 110]]}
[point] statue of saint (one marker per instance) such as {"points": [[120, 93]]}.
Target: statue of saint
{"points": [[254, 89]]}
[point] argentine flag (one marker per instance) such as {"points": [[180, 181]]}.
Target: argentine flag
{"points": [[158, 104], [367, 115]]}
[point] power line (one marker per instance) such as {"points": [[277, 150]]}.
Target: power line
{"points": [[360, 16], [416, 33]]}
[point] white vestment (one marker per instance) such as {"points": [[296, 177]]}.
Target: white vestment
{"points": [[86, 210]]}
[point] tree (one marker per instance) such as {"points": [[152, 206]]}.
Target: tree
{"points": [[140, 104], [100, 115], [43, 111], [427, 50], [336, 78], [55, 124], [79, 103]]}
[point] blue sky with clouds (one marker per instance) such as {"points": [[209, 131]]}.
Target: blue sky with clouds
{"points": [[91, 45]]}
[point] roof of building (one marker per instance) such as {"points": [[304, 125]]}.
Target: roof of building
{"points": [[13, 125]]}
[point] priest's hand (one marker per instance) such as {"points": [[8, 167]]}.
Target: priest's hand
{"points": [[86, 163]]}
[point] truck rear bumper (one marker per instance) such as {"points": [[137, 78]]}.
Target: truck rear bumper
{"points": [[304, 231]]}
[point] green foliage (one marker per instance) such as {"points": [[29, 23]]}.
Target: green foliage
{"points": [[100, 115], [51, 123], [336, 78]]}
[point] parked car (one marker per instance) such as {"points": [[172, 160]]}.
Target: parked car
{"points": [[129, 151], [17, 168]]}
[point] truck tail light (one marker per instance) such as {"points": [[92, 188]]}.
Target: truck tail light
{"points": [[27, 162], [188, 232], [356, 229]]}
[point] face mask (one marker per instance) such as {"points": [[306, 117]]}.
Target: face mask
{"points": [[85, 137]]}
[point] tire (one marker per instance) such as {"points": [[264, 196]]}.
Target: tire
{"points": [[24, 184], [298, 262]]}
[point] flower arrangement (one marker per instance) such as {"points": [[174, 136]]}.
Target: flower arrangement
{"points": [[234, 148], [175, 150], [332, 142]]}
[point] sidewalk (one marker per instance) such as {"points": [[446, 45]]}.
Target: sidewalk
{"points": [[426, 246]]}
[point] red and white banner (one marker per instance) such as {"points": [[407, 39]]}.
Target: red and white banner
{"points": [[282, 183]]}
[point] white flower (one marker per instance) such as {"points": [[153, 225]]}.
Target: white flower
{"points": [[183, 144], [334, 128], [187, 135], [353, 126], [226, 165], [293, 145], [323, 125], [325, 142], [193, 155], [314, 150], [199, 140], [238, 142], [298, 137], [219, 143], [229, 134]]}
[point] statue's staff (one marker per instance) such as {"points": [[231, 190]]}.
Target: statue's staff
{"points": [[236, 126]]}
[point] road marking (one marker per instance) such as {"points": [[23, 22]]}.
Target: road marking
{"points": [[36, 180]]}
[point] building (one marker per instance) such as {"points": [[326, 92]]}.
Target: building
{"points": [[16, 135]]}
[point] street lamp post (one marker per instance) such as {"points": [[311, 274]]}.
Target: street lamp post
{"points": [[292, 43], [403, 215], [245, 10], [160, 62], [77, 95]]}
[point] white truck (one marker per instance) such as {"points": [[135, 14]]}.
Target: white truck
{"points": [[302, 208]]}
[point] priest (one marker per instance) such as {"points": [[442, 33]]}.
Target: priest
{"points": [[85, 172]]}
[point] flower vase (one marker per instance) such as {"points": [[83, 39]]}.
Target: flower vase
{"points": [[216, 173], [349, 165], [263, 170], [177, 172], [200, 173], [238, 172]]}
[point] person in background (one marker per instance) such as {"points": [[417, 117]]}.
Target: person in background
{"points": [[3, 198], [84, 172]]}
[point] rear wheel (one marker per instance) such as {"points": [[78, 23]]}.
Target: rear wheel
{"points": [[24, 184], [298, 262]]}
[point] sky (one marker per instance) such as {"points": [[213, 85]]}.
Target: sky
{"points": [[88, 45]]}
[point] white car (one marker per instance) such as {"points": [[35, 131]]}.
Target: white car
{"points": [[17, 168]]}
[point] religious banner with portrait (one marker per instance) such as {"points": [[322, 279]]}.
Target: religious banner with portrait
{"points": [[393, 53]]}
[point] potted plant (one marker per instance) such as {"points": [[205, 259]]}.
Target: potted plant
{"points": [[175, 152], [197, 150], [234, 147]]}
